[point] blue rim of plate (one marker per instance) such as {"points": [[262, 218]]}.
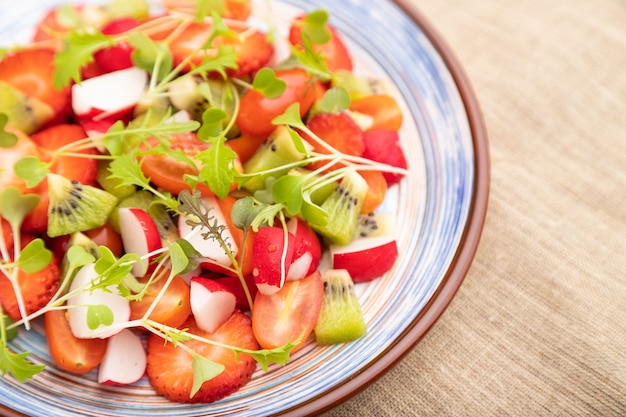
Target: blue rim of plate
{"points": [[440, 209]]}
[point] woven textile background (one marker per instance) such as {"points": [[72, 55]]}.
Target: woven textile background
{"points": [[538, 327]]}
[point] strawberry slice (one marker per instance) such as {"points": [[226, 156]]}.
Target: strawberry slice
{"points": [[252, 48], [31, 71], [170, 370], [36, 288], [339, 131]]}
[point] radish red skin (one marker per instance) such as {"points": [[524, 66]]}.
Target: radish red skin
{"points": [[369, 263]]}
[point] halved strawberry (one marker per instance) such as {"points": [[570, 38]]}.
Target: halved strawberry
{"points": [[384, 146], [231, 9], [339, 131], [170, 368], [36, 288], [252, 47], [83, 170], [31, 71]]}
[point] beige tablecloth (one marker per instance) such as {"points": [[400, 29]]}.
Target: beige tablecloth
{"points": [[538, 327]]}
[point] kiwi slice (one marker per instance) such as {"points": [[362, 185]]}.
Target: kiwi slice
{"points": [[343, 207], [340, 319], [277, 151], [196, 95], [25, 113], [376, 224], [320, 194], [75, 207]]}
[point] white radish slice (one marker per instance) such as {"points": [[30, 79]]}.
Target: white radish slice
{"points": [[140, 235], [211, 303], [124, 361], [78, 305]]}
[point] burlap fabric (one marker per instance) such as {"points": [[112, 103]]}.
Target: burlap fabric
{"points": [[538, 327]]}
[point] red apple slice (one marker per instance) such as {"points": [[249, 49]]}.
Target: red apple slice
{"points": [[209, 248], [140, 235], [307, 249], [79, 305], [111, 95], [365, 258], [124, 361], [211, 303], [269, 269]]}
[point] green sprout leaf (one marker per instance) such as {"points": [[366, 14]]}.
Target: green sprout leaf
{"points": [[287, 190], [148, 55], [266, 83], [34, 257], [17, 365], [335, 100], [315, 28], [312, 213], [78, 257], [291, 117], [14, 206], [244, 212], [212, 123], [180, 261], [203, 370], [7, 139], [99, 315], [32, 170]]}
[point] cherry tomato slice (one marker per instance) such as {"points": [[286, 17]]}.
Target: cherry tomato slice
{"points": [[283, 316], [334, 51], [256, 112], [382, 108], [232, 9], [70, 353], [173, 308]]}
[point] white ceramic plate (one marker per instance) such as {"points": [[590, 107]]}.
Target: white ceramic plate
{"points": [[440, 209]]}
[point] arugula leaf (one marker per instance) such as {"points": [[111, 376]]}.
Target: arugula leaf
{"points": [[128, 171], [216, 167], [17, 365], [34, 257], [32, 170], [7, 139], [80, 46], [203, 370]]}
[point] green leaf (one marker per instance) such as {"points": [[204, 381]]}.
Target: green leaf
{"points": [[126, 169], [312, 213], [17, 365], [212, 124], [190, 253], [287, 190], [216, 167], [80, 45], [153, 57], [77, 257], [266, 83], [244, 212], [178, 257], [291, 117], [225, 57], [335, 100], [11, 333], [99, 315], [32, 170], [315, 28], [14, 206], [34, 257], [203, 370], [7, 139]]}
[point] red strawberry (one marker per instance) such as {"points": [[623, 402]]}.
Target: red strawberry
{"points": [[170, 370], [339, 131], [31, 71], [116, 57], [36, 288], [384, 146]]}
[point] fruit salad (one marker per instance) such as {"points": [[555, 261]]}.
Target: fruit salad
{"points": [[186, 195]]}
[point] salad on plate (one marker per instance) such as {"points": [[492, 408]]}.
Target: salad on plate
{"points": [[188, 194]]}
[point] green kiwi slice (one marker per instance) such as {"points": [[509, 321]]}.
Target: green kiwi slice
{"points": [[75, 207]]}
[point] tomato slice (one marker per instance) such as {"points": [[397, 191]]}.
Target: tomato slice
{"points": [[70, 353], [168, 173], [252, 48], [256, 112], [173, 308], [283, 316], [383, 109]]}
